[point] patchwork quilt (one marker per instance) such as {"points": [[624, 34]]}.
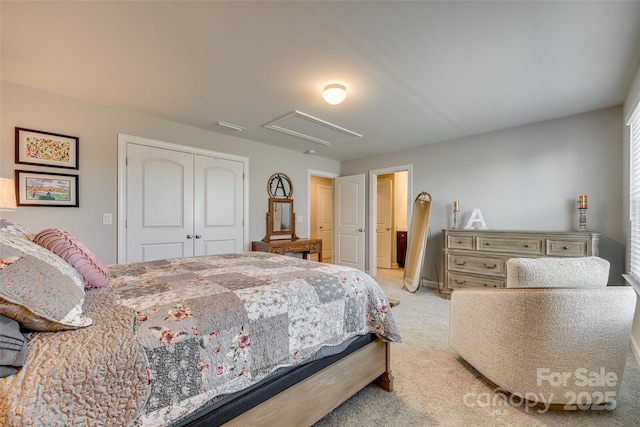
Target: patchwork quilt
{"points": [[212, 325]]}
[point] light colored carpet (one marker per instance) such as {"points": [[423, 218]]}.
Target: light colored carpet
{"points": [[434, 387]]}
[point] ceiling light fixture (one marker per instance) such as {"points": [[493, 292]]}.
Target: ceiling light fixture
{"points": [[230, 126], [334, 94]]}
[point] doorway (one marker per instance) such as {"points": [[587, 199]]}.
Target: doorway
{"points": [[321, 211], [389, 207]]}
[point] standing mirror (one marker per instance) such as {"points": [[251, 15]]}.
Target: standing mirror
{"points": [[417, 242]]}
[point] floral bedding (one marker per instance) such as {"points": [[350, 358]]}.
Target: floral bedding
{"points": [[213, 325]]}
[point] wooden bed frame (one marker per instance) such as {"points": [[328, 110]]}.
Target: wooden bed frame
{"points": [[311, 399]]}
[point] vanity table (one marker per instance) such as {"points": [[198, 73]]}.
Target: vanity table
{"points": [[304, 246], [281, 223]]}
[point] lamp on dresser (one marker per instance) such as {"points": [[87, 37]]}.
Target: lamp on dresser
{"points": [[7, 195]]}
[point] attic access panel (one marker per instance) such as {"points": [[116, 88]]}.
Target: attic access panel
{"points": [[307, 127]]}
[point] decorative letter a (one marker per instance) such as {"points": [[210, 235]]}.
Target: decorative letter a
{"points": [[476, 216]]}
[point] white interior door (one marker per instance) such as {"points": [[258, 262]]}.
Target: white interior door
{"points": [[349, 221], [159, 203], [384, 221], [325, 220], [219, 205]]}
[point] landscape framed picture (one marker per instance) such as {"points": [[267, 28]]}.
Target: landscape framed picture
{"points": [[34, 147], [46, 189]]}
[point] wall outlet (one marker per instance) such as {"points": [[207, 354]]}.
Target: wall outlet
{"points": [[299, 218], [107, 218]]}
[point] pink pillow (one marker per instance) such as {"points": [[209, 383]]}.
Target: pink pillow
{"points": [[70, 249]]}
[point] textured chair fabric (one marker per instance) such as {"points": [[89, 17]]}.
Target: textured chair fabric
{"points": [[550, 345], [585, 272]]}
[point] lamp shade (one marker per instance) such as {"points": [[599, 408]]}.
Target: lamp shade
{"points": [[334, 93], [7, 194]]}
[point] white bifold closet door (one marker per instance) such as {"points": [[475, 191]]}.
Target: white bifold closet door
{"points": [[181, 204]]}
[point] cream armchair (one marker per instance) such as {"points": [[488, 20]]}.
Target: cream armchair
{"points": [[555, 346]]}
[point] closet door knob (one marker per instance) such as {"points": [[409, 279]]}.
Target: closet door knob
{"points": [[189, 236], [198, 236]]}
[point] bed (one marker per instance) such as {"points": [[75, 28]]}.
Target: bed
{"points": [[245, 339]]}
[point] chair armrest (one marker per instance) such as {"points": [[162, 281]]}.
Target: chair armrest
{"points": [[509, 333]]}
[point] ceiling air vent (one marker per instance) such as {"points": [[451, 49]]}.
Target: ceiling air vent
{"points": [[310, 128]]}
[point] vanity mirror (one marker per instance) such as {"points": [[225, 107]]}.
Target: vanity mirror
{"points": [[280, 218]]}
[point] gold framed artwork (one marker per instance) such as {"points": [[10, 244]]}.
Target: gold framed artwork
{"points": [[46, 189], [34, 147]]}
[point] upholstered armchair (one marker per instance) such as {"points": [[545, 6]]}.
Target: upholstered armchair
{"points": [[557, 335]]}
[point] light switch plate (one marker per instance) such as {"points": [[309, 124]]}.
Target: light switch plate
{"points": [[107, 218], [299, 218]]}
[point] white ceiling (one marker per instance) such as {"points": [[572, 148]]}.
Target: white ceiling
{"points": [[416, 72]]}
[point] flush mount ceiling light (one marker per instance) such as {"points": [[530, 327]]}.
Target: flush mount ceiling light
{"points": [[334, 93]]}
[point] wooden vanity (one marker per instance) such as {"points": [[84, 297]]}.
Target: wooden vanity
{"points": [[281, 223], [303, 246]]}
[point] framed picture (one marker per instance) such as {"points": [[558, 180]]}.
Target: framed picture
{"points": [[34, 147], [46, 189]]}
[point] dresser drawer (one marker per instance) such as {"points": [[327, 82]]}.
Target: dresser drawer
{"points": [[459, 281], [526, 246], [460, 242], [297, 247], [315, 248], [276, 249], [567, 247], [493, 266]]}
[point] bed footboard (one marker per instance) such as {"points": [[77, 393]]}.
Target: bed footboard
{"points": [[310, 400]]}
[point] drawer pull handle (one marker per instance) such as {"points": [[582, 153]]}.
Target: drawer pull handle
{"points": [[486, 286], [458, 282], [486, 244], [460, 263], [459, 242], [489, 266], [527, 246], [565, 247]]}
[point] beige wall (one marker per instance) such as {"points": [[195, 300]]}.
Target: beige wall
{"points": [[98, 126], [527, 177]]}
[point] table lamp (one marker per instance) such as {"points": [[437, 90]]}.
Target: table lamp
{"points": [[7, 195]]}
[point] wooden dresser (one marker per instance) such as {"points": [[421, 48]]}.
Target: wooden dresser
{"points": [[283, 246], [478, 258]]}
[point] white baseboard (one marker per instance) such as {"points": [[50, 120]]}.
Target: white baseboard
{"points": [[429, 284], [635, 349]]}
